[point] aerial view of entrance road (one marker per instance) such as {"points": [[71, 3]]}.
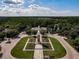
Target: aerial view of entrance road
{"points": [[39, 29]]}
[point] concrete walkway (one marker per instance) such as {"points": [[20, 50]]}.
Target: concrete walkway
{"points": [[38, 52], [51, 44], [24, 49], [71, 52]]}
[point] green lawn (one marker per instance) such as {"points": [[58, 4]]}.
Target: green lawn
{"points": [[32, 40], [59, 49], [46, 46], [18, 52], [30, 46], [45, 40]]}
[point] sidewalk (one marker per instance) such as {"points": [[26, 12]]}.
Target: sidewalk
{"points": [[38, 53]]}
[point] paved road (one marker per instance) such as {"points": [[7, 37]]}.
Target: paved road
{"points": [[6, 48], [71, 52], [38, 52]]}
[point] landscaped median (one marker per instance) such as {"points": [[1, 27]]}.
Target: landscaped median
{"points": [[59, 50], [18, 52]]}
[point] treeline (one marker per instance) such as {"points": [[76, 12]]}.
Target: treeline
{"points": [[35, 21], [66, 26]]}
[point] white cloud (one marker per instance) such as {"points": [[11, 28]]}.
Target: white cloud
{"points": [[13, 1], [32, 10]]}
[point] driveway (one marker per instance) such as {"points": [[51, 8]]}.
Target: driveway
{"points": [[71, 52], [6, 48]]}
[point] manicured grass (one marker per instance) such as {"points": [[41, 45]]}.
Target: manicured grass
{"points": [[32, 40], [45, 43], [18, 52], [30, 46], [59, 49], [45, 40], [46, 46]]}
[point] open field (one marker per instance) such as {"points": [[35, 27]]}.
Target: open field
{"points": [[57, 53], [59, 50], [18, 52]]}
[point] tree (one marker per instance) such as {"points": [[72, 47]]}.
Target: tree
{"points": [[33, 32], [21, 27], [12, 33], [1, 28], [0, 51], [2, 35], [76, 43]]}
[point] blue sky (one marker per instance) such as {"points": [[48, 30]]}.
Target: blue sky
{"points": [[59, 4], [39, 8]]}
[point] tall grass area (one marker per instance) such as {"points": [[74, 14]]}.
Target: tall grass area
{"points": [[59, 49], [18, 52]]}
